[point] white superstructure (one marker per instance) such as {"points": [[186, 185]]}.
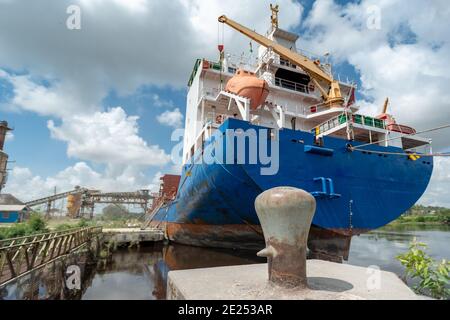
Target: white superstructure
{"points": [[293, 102]]}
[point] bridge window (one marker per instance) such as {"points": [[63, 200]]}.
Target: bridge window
{"points": [[232, 70], [285, 62]]}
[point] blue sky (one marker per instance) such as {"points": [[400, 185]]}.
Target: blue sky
{"points": [[137, 55]]}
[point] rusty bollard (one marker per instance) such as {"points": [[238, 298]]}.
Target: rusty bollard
{"points": [[285, 214]]}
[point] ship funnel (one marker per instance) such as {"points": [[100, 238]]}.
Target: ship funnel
{"points": [[285, 214]]}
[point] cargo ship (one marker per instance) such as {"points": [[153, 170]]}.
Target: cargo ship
{"points": [[284, 120]]}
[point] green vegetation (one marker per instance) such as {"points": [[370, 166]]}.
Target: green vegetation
{"points": [[114, 216], [116, 212], [35, 224], [419, 214], [108, 249], [117, 216], [433, 277], [65, 226]]}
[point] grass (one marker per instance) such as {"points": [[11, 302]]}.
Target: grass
{"points": [[35, 224], [439, 219], [81, 223]]}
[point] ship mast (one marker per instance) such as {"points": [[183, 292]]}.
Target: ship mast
{"points": [[332, 96]]}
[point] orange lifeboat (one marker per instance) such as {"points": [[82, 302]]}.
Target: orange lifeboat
{"points": [[391, 125], [246, 84]]}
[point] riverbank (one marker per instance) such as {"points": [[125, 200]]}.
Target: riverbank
{"points": [[419, 214], [141, 273], [37, 224], [431, 219]]}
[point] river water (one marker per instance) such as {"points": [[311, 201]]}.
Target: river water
{"points": [[380, 247], [146, 279], [142, 273]]}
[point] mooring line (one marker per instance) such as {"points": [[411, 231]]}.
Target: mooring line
{"points": [[403, 154]]}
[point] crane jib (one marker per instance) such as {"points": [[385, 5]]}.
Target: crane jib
{"points": [[305, 63]]}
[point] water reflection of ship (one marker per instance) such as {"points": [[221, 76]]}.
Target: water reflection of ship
{"points": [[180, 257], [391, 236], [131, 261]]}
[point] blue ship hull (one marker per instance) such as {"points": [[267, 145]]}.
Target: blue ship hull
{"points": [[214, 205]]}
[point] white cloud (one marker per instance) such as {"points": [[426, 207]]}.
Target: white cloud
{"points": [[157, 101], [109, 137], [55, 98], [171, 118], [9, 137], [135, 6], [437, 193], [125, 44], [410, 70], [405, 60], [26, 186], [121, 45]]}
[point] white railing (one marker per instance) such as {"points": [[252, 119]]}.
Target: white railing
{"points": [[268, 55], [315, 109], [209, 92], [248, 62], [311, 55], [291, 85], [330, 124], [344, 118]]}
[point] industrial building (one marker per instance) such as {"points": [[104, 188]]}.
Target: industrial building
{"points": [[12, 209]]}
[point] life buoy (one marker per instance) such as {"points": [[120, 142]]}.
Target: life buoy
{"points": [[311, 87]]}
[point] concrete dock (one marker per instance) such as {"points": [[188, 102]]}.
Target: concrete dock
{"points": [[133, 235], [326, 280]]}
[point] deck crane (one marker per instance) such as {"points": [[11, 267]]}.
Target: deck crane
{"points": [[331, 97]]}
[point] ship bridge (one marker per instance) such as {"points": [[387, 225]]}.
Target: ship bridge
{"points": [[368, 130]]}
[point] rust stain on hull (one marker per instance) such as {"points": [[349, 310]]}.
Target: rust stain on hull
{"points": [[330, 244], [236, 236]]}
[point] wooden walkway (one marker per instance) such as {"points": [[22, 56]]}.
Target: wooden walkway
{"points": [[19, 256]]}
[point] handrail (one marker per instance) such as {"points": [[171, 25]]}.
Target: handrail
{"points": [[344, 118], [288, 84], [56, 235], [43, 234], [17, 259]]}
